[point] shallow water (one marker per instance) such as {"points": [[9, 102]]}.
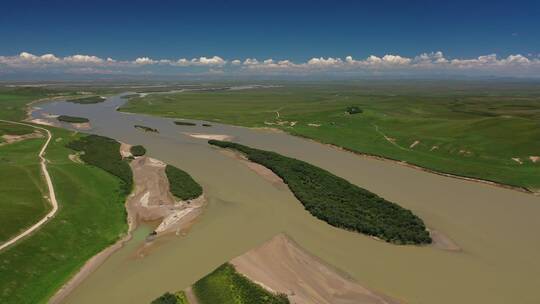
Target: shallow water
{"points": [[497, 228]]}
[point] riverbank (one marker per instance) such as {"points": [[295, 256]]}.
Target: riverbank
{"points": [[280, 265]]}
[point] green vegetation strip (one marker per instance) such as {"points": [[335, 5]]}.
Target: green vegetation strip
{"points": [[90, 218], [184, 123], [226, 286], [338, 202], [87, 100], [182, 185], [103, 153], [169, 298], [72, 119], [138, 150], [146, 129]]}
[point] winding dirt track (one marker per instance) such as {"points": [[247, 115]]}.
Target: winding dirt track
{"points": [[52, 196]]}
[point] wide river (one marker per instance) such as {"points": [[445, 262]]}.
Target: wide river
{"points": [[498, 229]]}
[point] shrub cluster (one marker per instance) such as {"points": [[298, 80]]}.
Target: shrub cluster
{"points": [[87, 100], [353, 110], [146, 129], [138, 150], [104, 153], [226, 286], [72, 119], [185, 123], [182, 185], [338, 202]]}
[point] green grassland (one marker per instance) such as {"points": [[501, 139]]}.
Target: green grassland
{"points": [[472, 129], [22, 190], [226, 286], [182, 185], [336, 201], [13, 101], [91, 217]]}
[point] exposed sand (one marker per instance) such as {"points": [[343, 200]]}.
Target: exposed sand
{"points": [[517, 160], [416, 142], [151, 200], [261, 170], [313, 125], [9, 139], [280, 265], [44, 122], [209, 136], [82, 126], [441, 241], [534, 159], [75, 158], [125, 150]]}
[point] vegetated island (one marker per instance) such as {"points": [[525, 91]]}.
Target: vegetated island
{"points": [[138, 150], [185, 123], [146, 129], [338, 202], [182, 185], [72, 119], [206, 125], [87, 100], [224, 285]]}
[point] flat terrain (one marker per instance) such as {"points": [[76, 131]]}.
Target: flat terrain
{"points": [[481, 130], [22, 189], [91, 217]]}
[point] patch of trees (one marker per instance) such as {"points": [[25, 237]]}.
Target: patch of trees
{"points": [[353, 110], [167, 298], [206, 125], [104, 153], [226, 286], [185, 123], [87, 100], [146, 129], [338, 202], [137, 150], [72, 119], [182, 185]]}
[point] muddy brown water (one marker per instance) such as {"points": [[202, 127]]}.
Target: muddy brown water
{"points": [[496, 228]]}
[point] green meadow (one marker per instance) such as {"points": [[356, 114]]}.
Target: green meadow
{"points": [[482, 130], [90, 218], [22, 189]]}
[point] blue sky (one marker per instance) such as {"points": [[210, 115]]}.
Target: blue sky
{"points": [[281, 30]]}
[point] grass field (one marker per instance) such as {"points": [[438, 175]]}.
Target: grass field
{"points": [[482, 130], [22, 188], [91, 217]]}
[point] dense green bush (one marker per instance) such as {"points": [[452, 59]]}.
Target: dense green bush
{"points": [[182, 184], [167, 298], [226, 286], [185, 123], [138, 150], [104, 152], [72, 119], [87, 100], [338, 202], [146, 129], [353, 110]]}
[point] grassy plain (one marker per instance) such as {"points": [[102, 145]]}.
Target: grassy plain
{"points": [[91, 217], [486, 130], [22, 190]]}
